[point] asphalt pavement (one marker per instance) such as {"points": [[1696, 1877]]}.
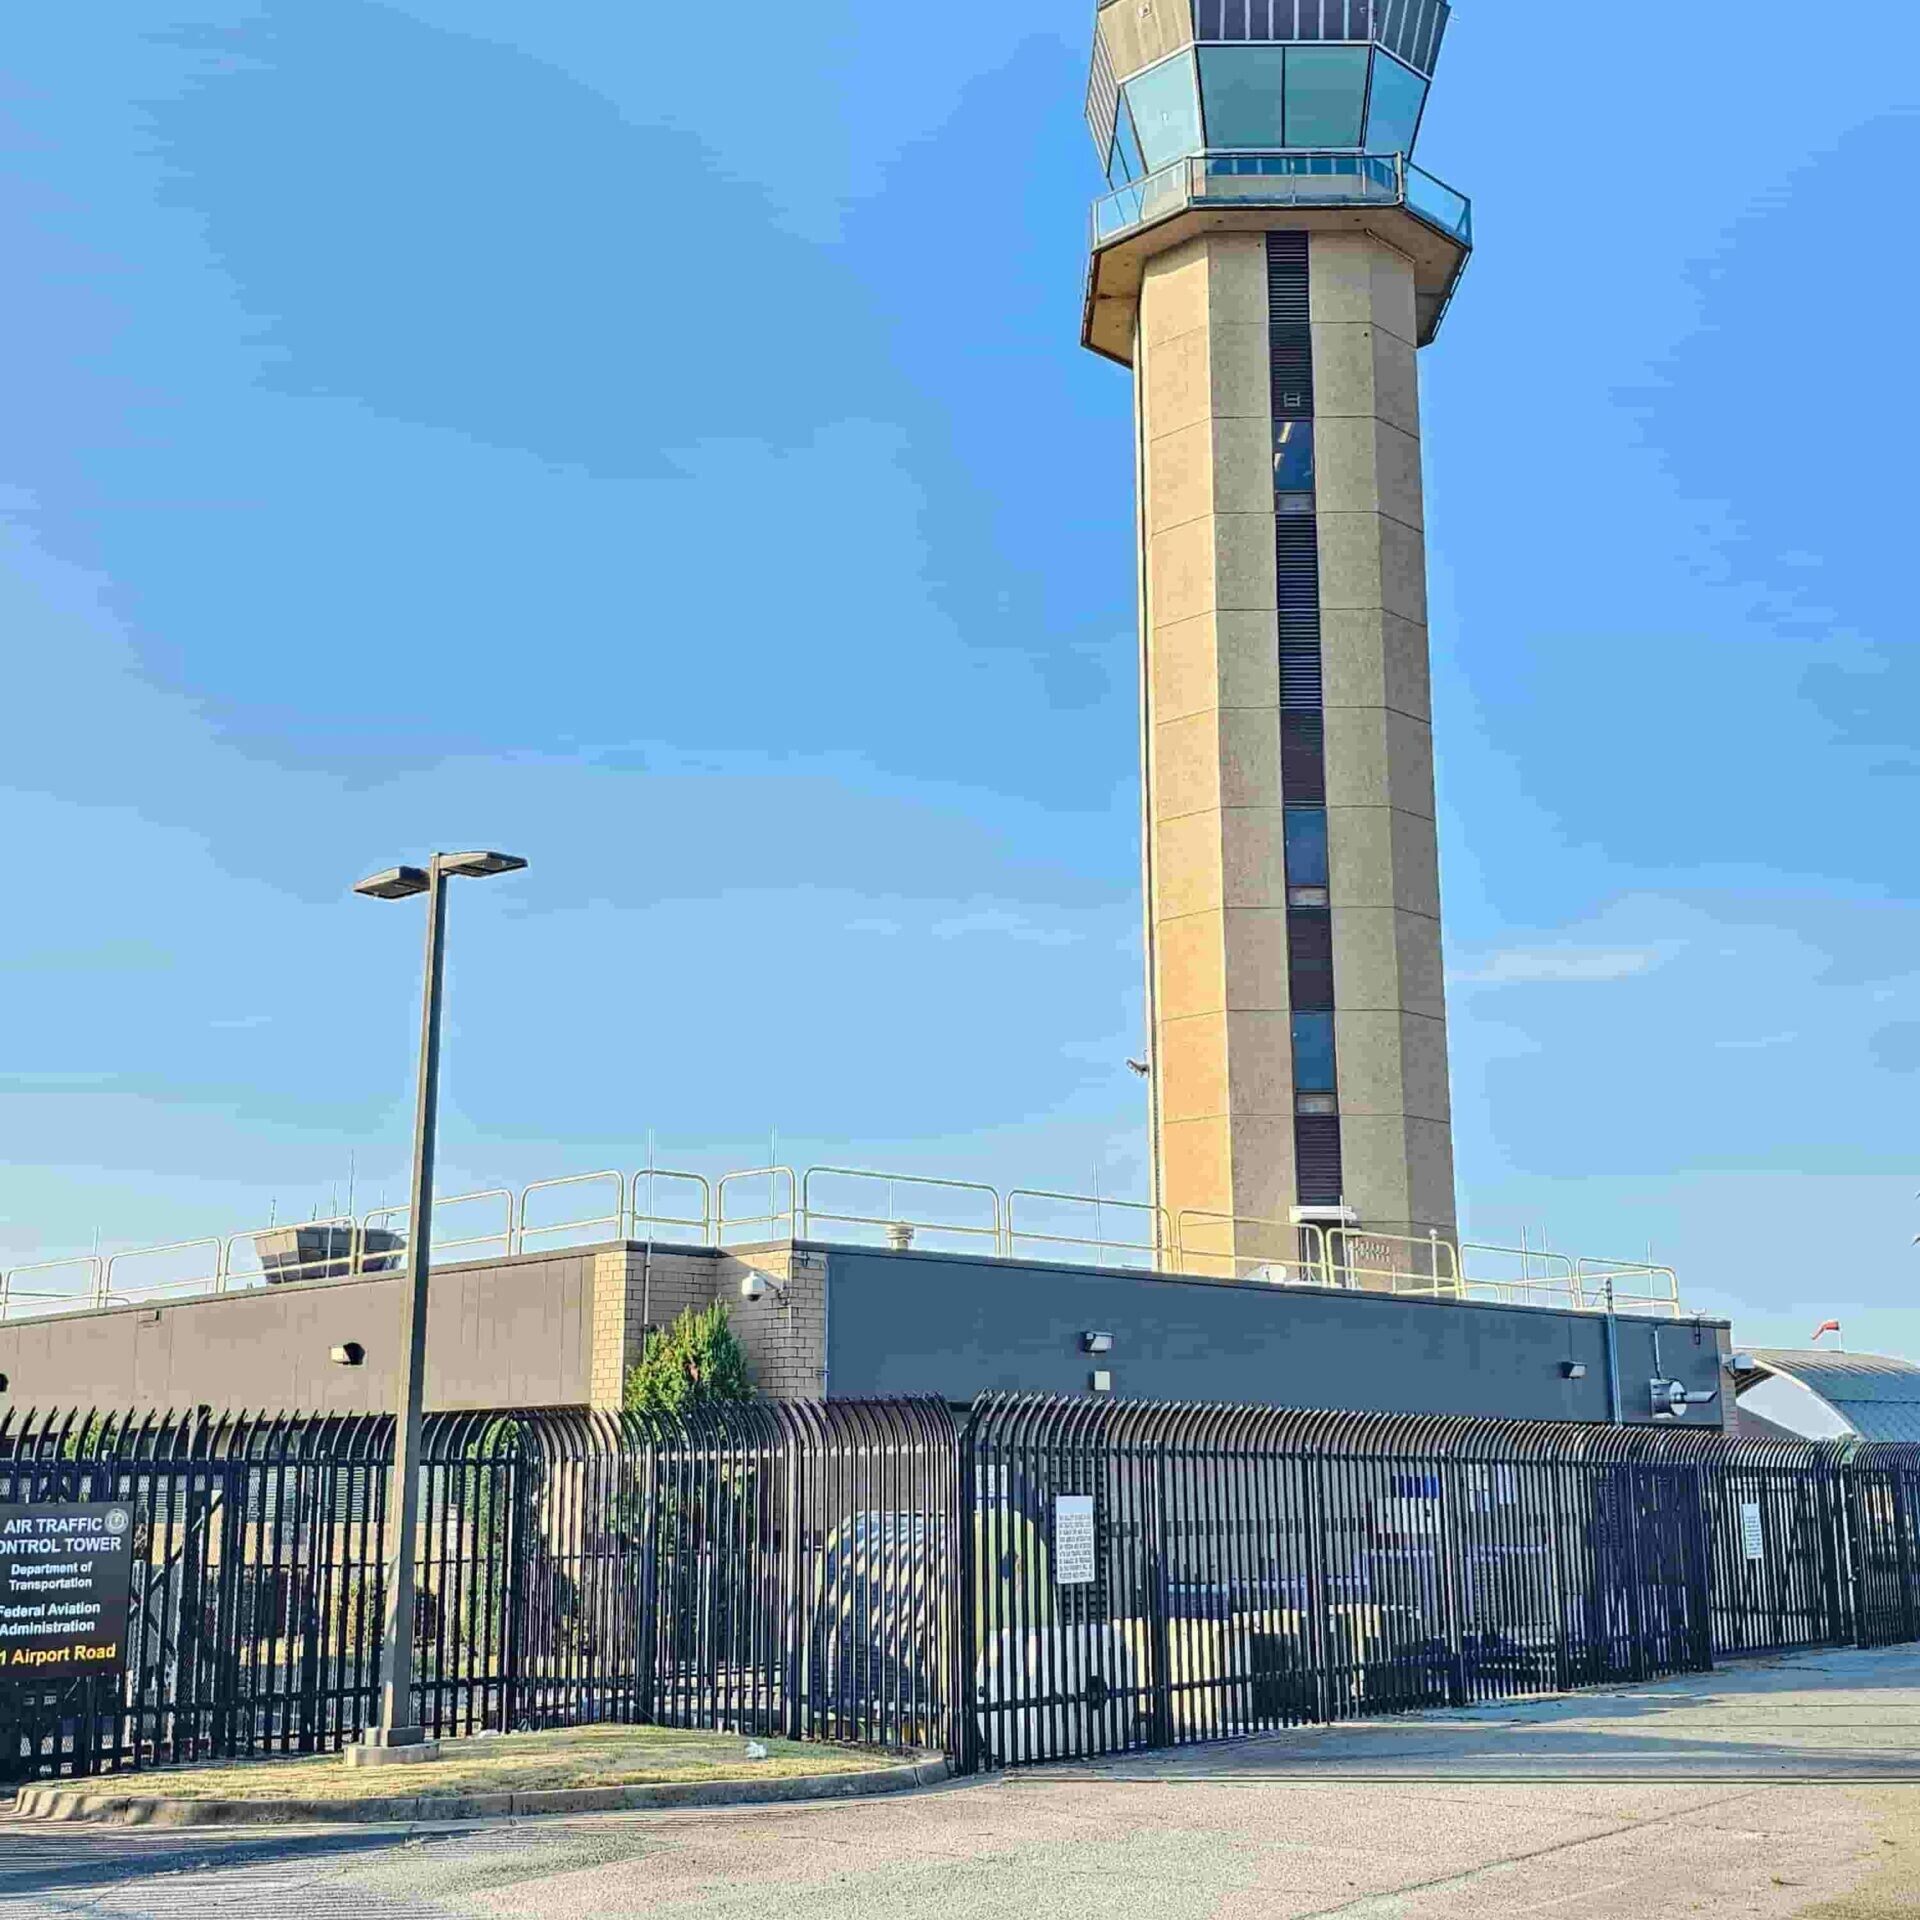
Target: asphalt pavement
{"points": [[1774, 1788]]}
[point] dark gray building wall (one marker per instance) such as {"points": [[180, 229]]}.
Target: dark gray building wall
{"points": [[531, 1331], [505, 1333], [924, 1323]]}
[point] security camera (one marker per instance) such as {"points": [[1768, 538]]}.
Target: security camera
{"points": [[757, 1285]]}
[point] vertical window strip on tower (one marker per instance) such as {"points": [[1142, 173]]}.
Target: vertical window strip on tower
{"points": [[1318, 1171]]}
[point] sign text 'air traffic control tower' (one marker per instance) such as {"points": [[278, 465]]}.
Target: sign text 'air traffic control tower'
{"points": [[1268, 262]]}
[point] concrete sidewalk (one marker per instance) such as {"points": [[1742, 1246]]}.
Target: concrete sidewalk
{"points": [[1589, 1809], [1832, 1716]]}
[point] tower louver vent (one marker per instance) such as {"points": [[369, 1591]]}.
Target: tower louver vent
{"points": [[1316, 1157], [1296, 553]]}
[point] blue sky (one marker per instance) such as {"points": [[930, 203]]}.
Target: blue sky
{"points": [[666, 452]]}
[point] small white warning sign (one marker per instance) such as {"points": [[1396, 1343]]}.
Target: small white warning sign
{"points": [[1753, 1539], [1073, 1555]]}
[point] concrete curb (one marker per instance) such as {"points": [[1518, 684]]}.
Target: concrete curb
{"points": [[58, 1805]]}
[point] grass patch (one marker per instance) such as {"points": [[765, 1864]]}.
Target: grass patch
{"points": [[613, 1756]]}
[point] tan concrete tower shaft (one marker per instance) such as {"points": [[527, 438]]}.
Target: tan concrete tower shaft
{"points": [[1299, 1050]]}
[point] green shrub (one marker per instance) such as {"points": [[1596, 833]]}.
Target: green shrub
{"points": [[696, 1362]]}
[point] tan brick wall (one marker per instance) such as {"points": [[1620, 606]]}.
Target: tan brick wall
{"points": [[785, 1342], [632, 1293]]}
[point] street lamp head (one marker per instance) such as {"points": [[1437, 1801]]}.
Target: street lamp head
{"points": [[479, 865], [397, 883]]}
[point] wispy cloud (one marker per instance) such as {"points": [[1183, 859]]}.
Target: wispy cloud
{"points": [[1762, 1040], [997, 922], [1561, 966], [241, 1021], [989, 923]]}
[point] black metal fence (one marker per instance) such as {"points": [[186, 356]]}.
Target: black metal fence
{"points": [[1251, 1568], [771, 1569], [1040, 1579]]}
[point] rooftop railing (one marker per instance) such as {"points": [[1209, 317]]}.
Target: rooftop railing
{"points": [[848, 1206], [1283, 180], [1433, 1267]]}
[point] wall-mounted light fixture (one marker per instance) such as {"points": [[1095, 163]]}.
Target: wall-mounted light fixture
{"points": [[352, 1354], [1091, 1342], [1573, 1369], [5, 1383]]}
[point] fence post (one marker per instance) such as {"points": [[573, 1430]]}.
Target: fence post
{"points": [[315, 1491], [1833, 1539], [1857, 1558], [1160, 1636], [1561, 1576], [1313, 1474], [236, 1483], [969, 1661], [513, 1590], [795, 1660], [1839, 1552], [1450, 1558], [1634, 1503], [949, 1615], [1903, 1534], [1700, 1571], [178, 1704], [647, 1663]]}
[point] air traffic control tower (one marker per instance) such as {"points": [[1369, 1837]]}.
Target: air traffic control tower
{"points": [[1268, 262]]}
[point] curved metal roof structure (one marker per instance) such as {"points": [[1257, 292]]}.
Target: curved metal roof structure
{"points": [[1876, 1395]]}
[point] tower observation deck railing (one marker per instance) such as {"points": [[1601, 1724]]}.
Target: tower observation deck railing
{"points": [[1282, 180], [843, 1206]]}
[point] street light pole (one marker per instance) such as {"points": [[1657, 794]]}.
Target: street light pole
{"points": [[396, 1726]]}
